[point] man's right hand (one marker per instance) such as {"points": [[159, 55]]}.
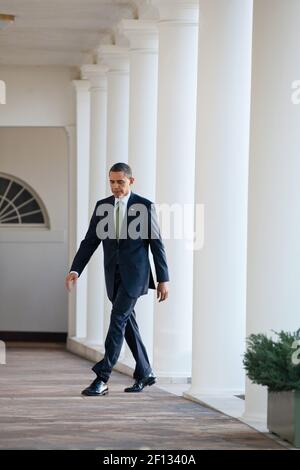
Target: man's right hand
{"points": [[71, 280]]}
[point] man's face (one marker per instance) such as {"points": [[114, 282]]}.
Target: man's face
{"points": [[119, 183]]}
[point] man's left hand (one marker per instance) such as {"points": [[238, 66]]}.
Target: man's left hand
{"points": [[162, 291]]}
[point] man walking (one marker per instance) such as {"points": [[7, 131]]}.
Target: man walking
{"points": [[127, 225]]}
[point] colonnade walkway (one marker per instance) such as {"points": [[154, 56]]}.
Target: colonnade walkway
{"points": [[41, 408]]}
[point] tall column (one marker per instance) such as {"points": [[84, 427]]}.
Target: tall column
{"points": [[116, 59], [177, 81], [273, 295], [81, 199], [97, 77], [223, 119], [143, 61], [76, 323], [117, 62]]}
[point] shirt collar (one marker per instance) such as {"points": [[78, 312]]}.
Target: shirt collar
{"points": [[124, 199]]}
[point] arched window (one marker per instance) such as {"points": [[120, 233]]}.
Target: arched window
{"points": [[19, 204]]}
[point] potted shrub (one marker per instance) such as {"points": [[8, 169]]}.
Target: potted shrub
{"points": [[276, 365]]}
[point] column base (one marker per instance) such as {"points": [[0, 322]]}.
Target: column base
{"points": [[172, 378], [84, 348], [256, 421], [225, 401], [95, 352]]}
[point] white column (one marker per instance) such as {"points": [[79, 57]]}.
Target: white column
{"points": [[177, 81], [75, 325], [81, 195], [97, 76], [273, 295], [143, 60], [116, 59], [117, 62], [223, 119]]}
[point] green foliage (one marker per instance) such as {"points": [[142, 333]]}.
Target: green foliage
{"points": [[268, 362]]}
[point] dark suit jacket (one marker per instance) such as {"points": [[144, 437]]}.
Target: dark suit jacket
{"points": [[132, 255]]}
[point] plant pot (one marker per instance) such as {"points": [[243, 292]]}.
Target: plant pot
{"points": [[284, 415]]}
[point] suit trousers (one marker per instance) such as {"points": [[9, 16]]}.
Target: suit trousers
{"points": [[122, 324]]}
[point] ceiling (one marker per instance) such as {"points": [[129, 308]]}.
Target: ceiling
{"points": [[59, 32]]}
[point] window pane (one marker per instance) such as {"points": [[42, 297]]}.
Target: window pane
{"points": [[4, 217], [24, 196], [30, 211], [13, 191], [3, 185], [29, 207], [6, 208], [3, 203], [12, 221], [33, 219]]}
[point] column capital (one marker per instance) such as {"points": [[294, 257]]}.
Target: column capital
{"points": [[115, 58], [142, 34], [96, 74], [81, 85], [177, 11]]}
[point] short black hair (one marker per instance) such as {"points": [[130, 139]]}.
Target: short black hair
{"points": [[122, 167]]}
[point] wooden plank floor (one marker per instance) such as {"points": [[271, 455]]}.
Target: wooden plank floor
{"points": [[41, 408]]}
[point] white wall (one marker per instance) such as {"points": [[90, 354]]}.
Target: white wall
{"points": [[33, 261], [34, 147], [38, 96]]}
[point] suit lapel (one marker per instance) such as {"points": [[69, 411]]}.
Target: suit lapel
{"points": [[111, 200], [131, 200]]}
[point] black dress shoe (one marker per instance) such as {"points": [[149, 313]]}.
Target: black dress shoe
{"points": [[96, 389], [141, 383]]}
